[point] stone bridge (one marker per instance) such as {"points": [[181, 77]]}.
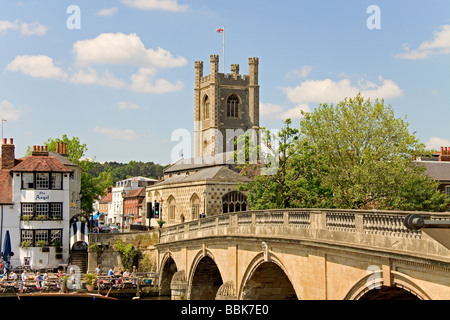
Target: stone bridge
{"points": [[303, 254]]}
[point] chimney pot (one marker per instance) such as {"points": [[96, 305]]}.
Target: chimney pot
{"points": [[57, 147], [11, 141], [4, 140]]}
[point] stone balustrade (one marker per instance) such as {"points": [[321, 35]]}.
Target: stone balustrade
{"points": [[366, 229]]}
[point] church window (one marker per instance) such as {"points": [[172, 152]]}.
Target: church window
{"points": [[234, 201], [206, 108], [195, 206], [172, 208], [233, 106]]}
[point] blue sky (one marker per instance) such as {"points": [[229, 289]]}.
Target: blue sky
{"points": [[120, 75]]}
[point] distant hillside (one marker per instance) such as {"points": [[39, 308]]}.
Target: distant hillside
{"points": [[122, 171]]}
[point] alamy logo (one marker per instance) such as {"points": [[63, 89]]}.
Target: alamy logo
{"points": [[374, 20]]}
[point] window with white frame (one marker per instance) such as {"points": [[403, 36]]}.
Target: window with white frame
{"points": [[56, 180], [41, 209], [447, 190], [42, 180], [56, 235], [27, 209], [27, 180], [41, 235], [56, 210], [26, 235]]}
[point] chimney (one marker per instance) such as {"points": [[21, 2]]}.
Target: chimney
{"points": [[63, 151], [57, 147], [8, 157], [445, 154]]}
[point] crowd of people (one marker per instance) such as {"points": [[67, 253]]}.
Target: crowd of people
{"points": [[117, 276]]}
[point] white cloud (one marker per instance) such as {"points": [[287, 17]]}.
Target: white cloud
{"points": [[119, 48], [25, 29], [143, 82], [275, 111], [127, 134], [300, 73], [107, 12], [439, 45], [167, 5], [90, 76], [436, 143], [125, 105], [327, 90], [8, 111], [37, 66]]}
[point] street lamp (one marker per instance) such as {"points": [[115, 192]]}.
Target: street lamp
{"points": [[123, 209]]}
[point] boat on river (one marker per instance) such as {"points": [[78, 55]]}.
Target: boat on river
{"points": [[46, 296]]}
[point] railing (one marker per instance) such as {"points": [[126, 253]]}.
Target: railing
{"points": [[367, 228]]}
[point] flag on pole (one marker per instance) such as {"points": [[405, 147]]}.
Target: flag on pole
{"points": [[222, 30]]}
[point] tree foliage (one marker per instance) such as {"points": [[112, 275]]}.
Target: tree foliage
{"points": [[356, 155], [91, 187]]}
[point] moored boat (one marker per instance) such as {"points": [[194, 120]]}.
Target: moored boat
{"points": [[62, 296]]}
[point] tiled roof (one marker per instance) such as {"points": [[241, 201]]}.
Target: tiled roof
{"points": [[438, 170], [106, 198], [135, 193], [5, 187], [40, 164]]}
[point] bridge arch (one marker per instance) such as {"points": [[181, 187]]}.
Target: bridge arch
{"points": [[205, 278], [372, 287], [168, 269], [266, 279]]}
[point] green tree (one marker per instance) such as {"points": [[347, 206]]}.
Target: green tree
{"points": [[368, 155], [91, 187], [291, 177]]}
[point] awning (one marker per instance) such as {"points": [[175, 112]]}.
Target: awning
{"points": [[95, 217], [79, 232]]}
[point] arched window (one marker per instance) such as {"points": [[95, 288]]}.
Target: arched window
{"points": [[206, 108], [234, 201], [195, 206], [233, 106], [172, 207]]}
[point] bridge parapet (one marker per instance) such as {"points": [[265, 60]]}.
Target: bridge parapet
{"points": [[368, 229]]}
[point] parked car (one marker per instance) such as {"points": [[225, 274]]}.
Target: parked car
{"points": [[114, 229], [104, 229]]}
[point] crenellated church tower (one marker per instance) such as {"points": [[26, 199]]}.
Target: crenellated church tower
{"points": [[226, 105]]}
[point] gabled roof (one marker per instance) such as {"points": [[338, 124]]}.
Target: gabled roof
{"points": [[40, 164]]}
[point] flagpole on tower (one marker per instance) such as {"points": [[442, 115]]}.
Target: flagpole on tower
{"points": [[222, 30], [223, 50]]}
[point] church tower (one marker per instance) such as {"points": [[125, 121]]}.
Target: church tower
{"points": [[226, 106]]}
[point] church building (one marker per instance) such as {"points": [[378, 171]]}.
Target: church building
{"points": [[225, 107]]}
